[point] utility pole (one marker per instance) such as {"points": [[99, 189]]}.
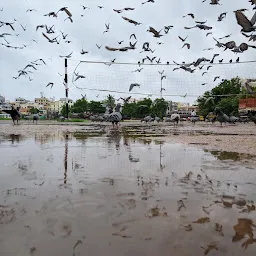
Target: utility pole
{"points": [[162, 77], [66, 85]]}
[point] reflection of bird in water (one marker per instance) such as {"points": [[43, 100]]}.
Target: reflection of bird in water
{"points": [[115, 137]]}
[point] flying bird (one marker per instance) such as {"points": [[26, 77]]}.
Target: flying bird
{"points": [[40, 26], [225, 36], [133, 35], [53, 14], [98, 46], [131, 21], [209, 33], [238, 59], [66, 56], [78, 76], [31, 10], [120, 42], [156, 33], [133, 85], [50, 84], [7, 24], [183, 39], [186, 44], [149, 1], [215, 2], [85, 7], [246, 24], [107, 28], [189, 14], [83, 52], [251, 37], [204, 73], [209, 67], [201, 22], [222, 16], [167, 28], [100, 6], [202, 27], [137, 70], [65, 9], [215, 78], [29, 66]]}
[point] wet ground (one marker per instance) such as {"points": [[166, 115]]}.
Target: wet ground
{"points": [[74, 194]]}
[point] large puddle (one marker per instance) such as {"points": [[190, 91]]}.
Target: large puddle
{"points": [[68, 194]]}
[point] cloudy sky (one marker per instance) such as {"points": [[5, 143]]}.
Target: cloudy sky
{"points": [[87, 30]]}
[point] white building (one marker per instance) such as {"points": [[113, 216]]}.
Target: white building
{"points": [[56, 106]]}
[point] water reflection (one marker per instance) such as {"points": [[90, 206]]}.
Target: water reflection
{"points": [[235, 156], [111, 199]]}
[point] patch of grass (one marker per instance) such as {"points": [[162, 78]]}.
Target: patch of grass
{"points": [[1, 118]]}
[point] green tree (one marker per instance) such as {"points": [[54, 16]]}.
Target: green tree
{"points": [[34, 111], [80, 106], [95, 107], [159, 107], [130, 109], [110, 101], [63, 111], [229, 105], [220, 97]]}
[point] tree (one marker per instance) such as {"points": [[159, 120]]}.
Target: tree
{"points": [[80, 106], [110, 101], [95, 107], [34, 111], [221, 98], [130, 109], [229, 105], [159, 107], [63, 111]]}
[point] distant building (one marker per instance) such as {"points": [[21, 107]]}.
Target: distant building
{"points": [[42, 101], [20, 100], [2, 99], [56, 106]]}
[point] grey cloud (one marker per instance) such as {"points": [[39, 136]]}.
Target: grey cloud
{"points": [[86, 31]]}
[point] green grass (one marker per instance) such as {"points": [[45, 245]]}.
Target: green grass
{"points": [[1, 118]]}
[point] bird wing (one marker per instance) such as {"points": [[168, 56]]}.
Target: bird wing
{"points": [[46, 36], [125, 18], [242, 20], [111, 48], [253, 20], [189, 27], [131, 87], [152, 30], [11, 26]]}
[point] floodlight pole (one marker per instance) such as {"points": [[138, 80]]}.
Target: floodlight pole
{"points": [[66, 85]]}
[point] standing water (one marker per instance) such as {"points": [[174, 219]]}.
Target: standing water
{"points": [[69, 194]]}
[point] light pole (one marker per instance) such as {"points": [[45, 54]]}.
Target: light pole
{"points": [[161, 83]]}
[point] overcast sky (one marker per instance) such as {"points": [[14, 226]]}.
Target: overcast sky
{"points": [[86, 31]]}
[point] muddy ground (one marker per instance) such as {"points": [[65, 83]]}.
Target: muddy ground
{"points": [[239, 138], [73, 190]]}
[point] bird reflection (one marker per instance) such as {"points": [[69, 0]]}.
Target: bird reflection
{"points": [[161, 167]]}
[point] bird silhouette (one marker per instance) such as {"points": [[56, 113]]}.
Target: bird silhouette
{"points": [[246, 24], [222, 16], [133, 85], [50, 84], [189, 14], [155, 33], [131, 21], [203, 27], [187, 45]]}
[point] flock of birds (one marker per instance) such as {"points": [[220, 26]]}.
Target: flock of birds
{"points": [[248, 27]]}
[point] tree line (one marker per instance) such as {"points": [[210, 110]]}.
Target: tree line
{"points": [[226, 96], [137, 109]]}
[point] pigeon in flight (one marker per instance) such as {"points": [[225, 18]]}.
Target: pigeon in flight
{"points": [[133, 85], [246, 24]]}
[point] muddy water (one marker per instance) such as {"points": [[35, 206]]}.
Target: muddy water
{"points": [[69, 194]]}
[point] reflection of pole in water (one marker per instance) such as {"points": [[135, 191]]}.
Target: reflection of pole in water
{"points": [[66, 160], [161, 156]]}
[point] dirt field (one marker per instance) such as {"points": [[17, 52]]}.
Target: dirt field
{"points": [[239, 138]]}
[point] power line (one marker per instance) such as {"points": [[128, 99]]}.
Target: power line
{"points": [[152, 94], [154, 64]]}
